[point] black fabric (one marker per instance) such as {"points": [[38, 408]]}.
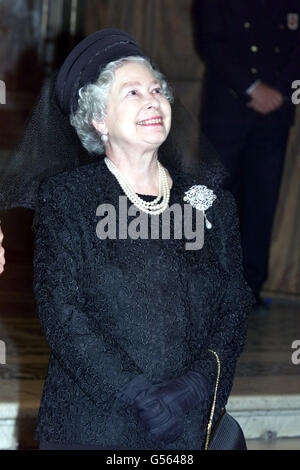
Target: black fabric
{"points": [[160, 406], [83, 65], [159, 421], [254, 157], [225, 44], [140, 383], [49, 146], [57, 446], [114, 309], [228, 435]]}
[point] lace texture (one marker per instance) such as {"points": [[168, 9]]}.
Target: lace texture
{"points": [[114, 309]]}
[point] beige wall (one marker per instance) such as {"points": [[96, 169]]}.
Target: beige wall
{"points": [[284, 264]]}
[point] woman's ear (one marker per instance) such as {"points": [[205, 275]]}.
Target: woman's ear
{"points": [[99, 126]]}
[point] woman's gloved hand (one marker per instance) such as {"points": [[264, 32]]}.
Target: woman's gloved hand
{"points": [[156, 416], [162, 406]]}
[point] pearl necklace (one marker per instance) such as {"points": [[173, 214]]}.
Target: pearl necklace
{"points": [[150, 207]]}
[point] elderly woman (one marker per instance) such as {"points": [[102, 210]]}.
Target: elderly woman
{"points": [[144, 332]]}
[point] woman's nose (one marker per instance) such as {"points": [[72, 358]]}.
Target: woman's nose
{"points": [[151, 102]]}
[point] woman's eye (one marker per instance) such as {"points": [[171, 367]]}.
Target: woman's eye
{"points": [[157, 90], [132, 92]]}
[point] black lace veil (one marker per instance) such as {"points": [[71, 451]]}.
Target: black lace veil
{"points": [[50, 144]]}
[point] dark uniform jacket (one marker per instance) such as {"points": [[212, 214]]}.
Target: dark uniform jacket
{"points": [[112, 309], [240, 42]]}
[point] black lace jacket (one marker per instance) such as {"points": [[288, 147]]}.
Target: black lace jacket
{"points": [[112, 309]]}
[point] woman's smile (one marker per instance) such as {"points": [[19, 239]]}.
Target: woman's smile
{"points": [[155, 121]]}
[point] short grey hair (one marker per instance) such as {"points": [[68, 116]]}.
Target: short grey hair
{"points": [[93, 100]]}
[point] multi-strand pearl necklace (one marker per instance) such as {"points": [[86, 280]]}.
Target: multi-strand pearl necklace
{"points": [[150, 207]]}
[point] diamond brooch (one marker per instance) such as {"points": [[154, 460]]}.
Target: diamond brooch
{"points": [[201, 198]]}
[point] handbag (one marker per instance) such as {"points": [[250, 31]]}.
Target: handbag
{"points": [[227, 434]]}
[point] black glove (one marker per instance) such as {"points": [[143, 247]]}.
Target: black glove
{"points": [[138, 385], [159, 421], [162, 406], [156, 416]]}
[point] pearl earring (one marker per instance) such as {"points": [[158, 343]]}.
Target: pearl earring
{"points": [[104, 138]]}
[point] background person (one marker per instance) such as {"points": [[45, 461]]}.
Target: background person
{"points": [[252, 55]]}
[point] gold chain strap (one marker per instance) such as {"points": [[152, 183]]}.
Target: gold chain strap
{"points": [[212, 412]]}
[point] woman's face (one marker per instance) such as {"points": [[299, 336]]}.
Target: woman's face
{"points": [[137, 113]]}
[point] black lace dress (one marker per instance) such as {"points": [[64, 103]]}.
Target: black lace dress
{"points": [[112, 309]]}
